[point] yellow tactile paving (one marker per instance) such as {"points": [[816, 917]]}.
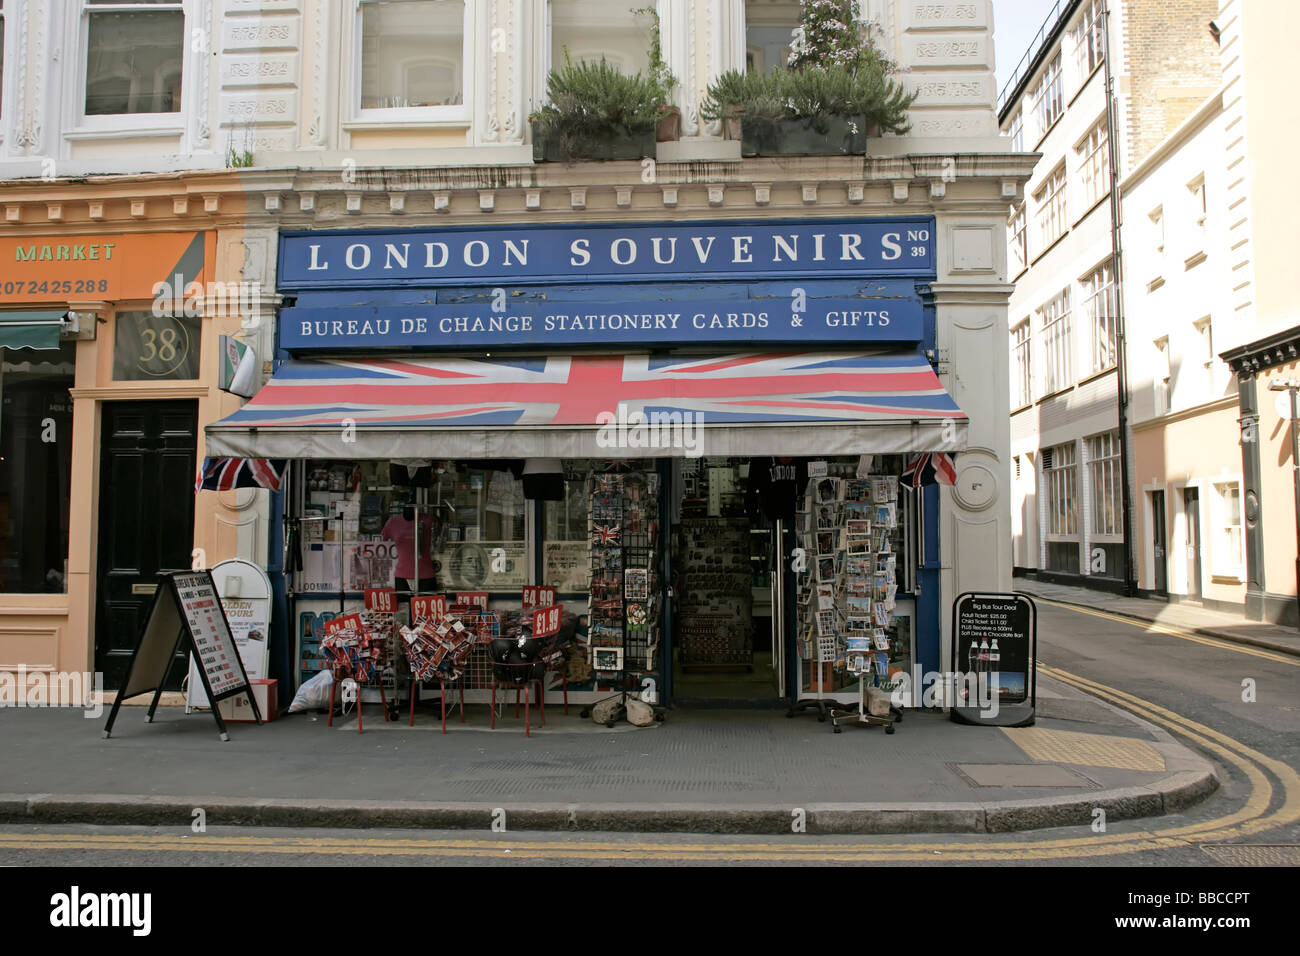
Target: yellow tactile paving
{"points": [[1090, 750]]}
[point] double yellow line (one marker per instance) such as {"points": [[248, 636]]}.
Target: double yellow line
{"points": [[1269, 780]]}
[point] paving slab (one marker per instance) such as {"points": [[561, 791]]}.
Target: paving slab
{"points": [[717, 771]]}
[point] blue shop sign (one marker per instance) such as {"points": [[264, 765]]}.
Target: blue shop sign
{"points": [[836, 321], [610, 252]]}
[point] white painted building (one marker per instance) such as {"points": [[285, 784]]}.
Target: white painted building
{"points": [[333, 122], [1065, 345]]}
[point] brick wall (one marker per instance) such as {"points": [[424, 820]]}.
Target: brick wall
{"points": [[1172, 64]]}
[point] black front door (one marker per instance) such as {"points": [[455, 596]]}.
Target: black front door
{"points": [[146, 521], [1192, 508], [1158, 542]]}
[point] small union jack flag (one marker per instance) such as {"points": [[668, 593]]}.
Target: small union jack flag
{"points": [[604, 534], [224, 474], [928, 469]]}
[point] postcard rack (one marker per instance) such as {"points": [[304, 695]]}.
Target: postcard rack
{"points": [[850, 536]]}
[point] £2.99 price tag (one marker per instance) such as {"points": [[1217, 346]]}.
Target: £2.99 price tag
{"points": [[432, 606]]}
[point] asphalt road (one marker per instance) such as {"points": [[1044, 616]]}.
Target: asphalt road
{"points": [[1198, 688]]}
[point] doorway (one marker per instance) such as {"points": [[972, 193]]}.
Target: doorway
{"points": [[1192, 509], [146, 522], [727, 641], [1160, 562]]}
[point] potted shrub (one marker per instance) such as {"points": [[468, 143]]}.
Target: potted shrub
{"points": [[836, 92], [595, 112], [668, 127]]}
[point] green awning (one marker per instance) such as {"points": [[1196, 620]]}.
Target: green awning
{"points": [[30, 330]]}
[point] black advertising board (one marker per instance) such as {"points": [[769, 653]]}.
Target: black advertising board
{"points": [[994, 641], [186, 608]]}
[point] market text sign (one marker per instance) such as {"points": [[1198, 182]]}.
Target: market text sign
{"points": [[839, 321], [112, 267], [611, 252]]}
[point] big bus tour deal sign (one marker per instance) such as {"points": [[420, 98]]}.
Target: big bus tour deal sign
{"points": [[994, 642], [186, 609]]}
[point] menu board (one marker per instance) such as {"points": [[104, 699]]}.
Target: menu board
{"points": [[214, 645]]}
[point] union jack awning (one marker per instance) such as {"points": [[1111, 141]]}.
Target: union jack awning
{"points": [[595, 406]]}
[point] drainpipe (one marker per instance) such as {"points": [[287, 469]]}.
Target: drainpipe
{"points": [[1121, 345]]}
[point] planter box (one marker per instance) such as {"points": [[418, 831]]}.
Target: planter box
{"points": [[819, 136], [614, 146]]}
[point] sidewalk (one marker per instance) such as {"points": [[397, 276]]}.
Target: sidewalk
{"points": [[716, 771], [1187, 617]]}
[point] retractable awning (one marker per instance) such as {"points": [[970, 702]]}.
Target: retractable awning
{"points": [[31, 330], [596, 406]]}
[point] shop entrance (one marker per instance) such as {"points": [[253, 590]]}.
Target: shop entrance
{"points": [[146, 521], [728, 643]]}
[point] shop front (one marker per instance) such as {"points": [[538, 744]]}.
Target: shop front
{"points": [[105, 389], [693, 432]]}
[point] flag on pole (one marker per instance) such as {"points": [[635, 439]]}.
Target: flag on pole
{"points": [[929, 468], [224, 474]]}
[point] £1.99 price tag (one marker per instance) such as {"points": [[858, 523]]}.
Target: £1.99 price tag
{"points": [[546, 621]]}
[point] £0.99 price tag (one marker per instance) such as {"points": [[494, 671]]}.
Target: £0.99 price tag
{"points": [[432, 606], [383, 600], [536, 595], [546, 621]]}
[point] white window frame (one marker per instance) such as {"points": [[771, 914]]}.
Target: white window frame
{"points": [[1058, 342], [1098, 294], [1199, 210], [1022, 364], [1104, 482], [1161, 378], [1093, 152], [78, 125], [1049, 97], [1088, 31], [1061, 483], [1222, 562], [1017, 131], [1205, 332], [1157, 217], [456, 116], [6, 58], [1018, 230], [1052, 210]]}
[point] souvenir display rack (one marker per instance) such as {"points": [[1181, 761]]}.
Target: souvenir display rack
{"points": [[851, 534], [623, 603]]}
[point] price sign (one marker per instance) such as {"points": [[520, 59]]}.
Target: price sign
{"points": [[343, 623], [432, 606], [382, 600], [546, 621], [473, 597], [537, 596]]}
